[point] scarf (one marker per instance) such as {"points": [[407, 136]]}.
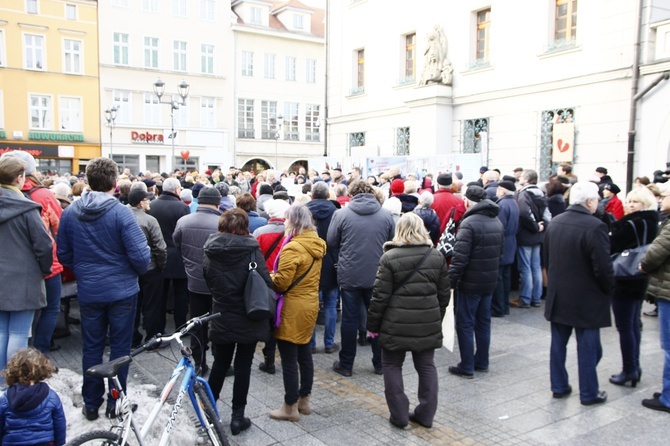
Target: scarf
{"points": [[278, 296]]}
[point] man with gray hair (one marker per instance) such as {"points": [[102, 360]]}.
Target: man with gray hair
{"points": [[580, 283]]}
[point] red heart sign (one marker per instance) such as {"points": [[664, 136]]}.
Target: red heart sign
{"points": [[562, 147], [185, 154]]}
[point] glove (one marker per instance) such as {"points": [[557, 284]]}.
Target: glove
{"points": [[373, 335]]}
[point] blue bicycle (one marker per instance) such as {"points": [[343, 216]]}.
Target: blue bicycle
{"points": [[197, 388]]}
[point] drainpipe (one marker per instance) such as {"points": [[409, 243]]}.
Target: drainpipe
{"points": [[325, 100]]}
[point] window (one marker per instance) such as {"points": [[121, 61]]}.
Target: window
{"points": [[356, 139], [150, 5], [268, 119], [72, 56], [121, 100], [51, 165], [290, 68], [31, 6], [153, 163], [311, 127], [410, 58], [182, 113], [245, 118], [151, 52], [189, 165], [121, 3], [291, 121], [548, 119], [483, 30], [120, 49], [179, 56], [40, 112], [70, 114], [131, 162], [402, 141], [152, 109], [2, 48], [70, 11], [310, 68], [34, 52], [179, 8], [255, 15], [208, 112], [207, 10], [297, 21], [566, 21], [359, 63], [475, 135], [207, 59], [269, 66], [247, 63]]}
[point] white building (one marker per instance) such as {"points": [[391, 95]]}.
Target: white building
{"points": [[517, 70], [176, 40], [279, 83]]}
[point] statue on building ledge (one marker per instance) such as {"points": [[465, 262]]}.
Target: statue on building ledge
{"points": [[436, 68]]}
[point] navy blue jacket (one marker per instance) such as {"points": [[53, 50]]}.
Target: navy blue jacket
{"points": [[322, 211], [509, 217], [31, 415]]}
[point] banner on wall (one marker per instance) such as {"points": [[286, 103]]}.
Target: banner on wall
{"points": [[563, 144]]}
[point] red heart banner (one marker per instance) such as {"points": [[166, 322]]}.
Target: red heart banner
{"points": [[185, 154]]}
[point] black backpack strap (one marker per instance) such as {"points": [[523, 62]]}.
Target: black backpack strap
{"points": [[299, 279], [273, 246], [416, 268]]}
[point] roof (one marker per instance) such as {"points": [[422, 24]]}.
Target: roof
{"points": [[317, 16]]}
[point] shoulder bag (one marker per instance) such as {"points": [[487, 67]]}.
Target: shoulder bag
{"points": [[448, 238], [626, 263], [416, 268], [259, 299]]}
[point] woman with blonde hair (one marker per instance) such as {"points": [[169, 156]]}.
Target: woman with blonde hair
{"points": [[637, 227], [406, 312], [296, 277]]}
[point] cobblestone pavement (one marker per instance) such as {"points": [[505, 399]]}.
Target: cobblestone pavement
{"points": [[509, 405]]}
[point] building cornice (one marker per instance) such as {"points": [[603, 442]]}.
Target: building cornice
{"points": [[657, 67], [247, 29]]}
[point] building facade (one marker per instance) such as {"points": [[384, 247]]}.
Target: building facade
{"points": [[49, 82], [175, 41], [556, 89]]}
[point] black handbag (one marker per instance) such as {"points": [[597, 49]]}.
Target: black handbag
{"points": [[259, 299], [626, 264], [448, 238]]}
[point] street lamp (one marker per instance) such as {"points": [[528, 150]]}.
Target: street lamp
{"points": [[159, 90], [278, 124], [110, 117]]}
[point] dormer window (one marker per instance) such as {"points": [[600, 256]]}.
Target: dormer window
{"points": [[298, 21], [255, 15]]}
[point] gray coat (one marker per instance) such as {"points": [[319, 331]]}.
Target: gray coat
{"points": [[152, 231], [28, 254], [359, 232], [189, 237]]}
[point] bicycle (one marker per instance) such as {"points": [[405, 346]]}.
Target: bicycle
{"points": [[196, 387]]}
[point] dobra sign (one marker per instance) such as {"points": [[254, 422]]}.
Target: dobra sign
{"points": [[146, 138]]}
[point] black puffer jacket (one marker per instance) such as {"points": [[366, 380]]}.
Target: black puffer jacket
{"points": [[478, 249], [226, 267], [532, 206], [411, 318], [657, 263]]}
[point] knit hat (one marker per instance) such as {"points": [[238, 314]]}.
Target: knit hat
{"points": [[186, 195], [444, 179], [149, 182], [280, 195], [209, 195], [276, 208], [397, 186], [136, 196], [195, 190], [475, 193], [483, 169], [507, 185], [26, 157]]}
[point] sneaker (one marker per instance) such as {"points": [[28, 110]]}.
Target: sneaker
{"points": [[90, 414], [341, 370], [518, 303], [333, 349]]}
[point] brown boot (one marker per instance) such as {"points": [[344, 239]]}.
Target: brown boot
{"points": [[303, 405], [286, 412]]}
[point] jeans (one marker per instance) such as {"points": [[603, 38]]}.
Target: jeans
{"points": [[530, 270], [351, 305], [223, 357], [46, 322], [294, 357], [14, 330], [500, 301], [473, 316], [627, 320], [394, 390], [589, 352], [98, 319], [664, 328], [200, 304], [329, 299], [150, 305]]}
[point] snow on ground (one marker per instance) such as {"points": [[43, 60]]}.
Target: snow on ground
{"points": [[67, 384]]}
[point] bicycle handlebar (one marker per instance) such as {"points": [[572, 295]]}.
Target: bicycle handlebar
{"points": [[159, 339]]}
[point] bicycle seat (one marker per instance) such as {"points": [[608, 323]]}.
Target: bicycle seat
{"points": [[109, 369]]}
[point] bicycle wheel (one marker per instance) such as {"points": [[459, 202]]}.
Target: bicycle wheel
{"points": [[215, 426], [96, 438]]}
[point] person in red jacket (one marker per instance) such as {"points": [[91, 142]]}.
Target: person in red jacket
{"points": [[614, 205], [444, 201]]}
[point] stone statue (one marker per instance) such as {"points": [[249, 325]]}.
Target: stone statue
{"points": [[436, 68]]}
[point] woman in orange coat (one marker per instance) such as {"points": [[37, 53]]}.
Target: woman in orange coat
{"points": [[297, 274]]}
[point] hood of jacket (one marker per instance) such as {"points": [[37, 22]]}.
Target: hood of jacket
{"points": [[311, 242], [12, 205], [22, 398], [533, 189], [484, 207], [364, 204], [93, 205], [321, 208], [230, 248]]}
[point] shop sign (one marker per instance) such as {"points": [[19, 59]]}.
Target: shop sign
{"points": [[50, 136], [33, 149], [146, 138], [3, 135]]}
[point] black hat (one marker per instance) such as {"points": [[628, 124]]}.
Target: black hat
{"points": [[325, 172], [149, 182], [209, 195], [483, 169], [601, 170], [509, 178], [612, 188], [338, 169], [444, 179], [280, 195], [136, 196], [195, 190], [475, 193], [507, 185]]}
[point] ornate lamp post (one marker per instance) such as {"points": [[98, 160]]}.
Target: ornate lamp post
{"points": [[110, 117], [159, 90]]}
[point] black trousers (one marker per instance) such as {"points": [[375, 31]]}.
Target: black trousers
{"points": [[294, 356], [199, 304], [180, 289], [223, 357], [150, 305]]}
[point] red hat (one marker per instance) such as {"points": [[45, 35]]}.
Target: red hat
{"points": [[397, 186], [208, 172]]}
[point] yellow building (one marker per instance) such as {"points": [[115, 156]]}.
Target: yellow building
{"points": [[49, 85]]}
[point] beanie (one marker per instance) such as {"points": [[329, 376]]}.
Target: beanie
{"points": [[475, 193], [26, 157], [397, 186], [209, 195], [444, 179], [195, 190], [507, 185]]}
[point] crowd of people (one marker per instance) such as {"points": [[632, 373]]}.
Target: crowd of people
{"points": [[142, 246]]}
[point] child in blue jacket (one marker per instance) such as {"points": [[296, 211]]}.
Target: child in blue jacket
{"points": [[30, 411]]}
